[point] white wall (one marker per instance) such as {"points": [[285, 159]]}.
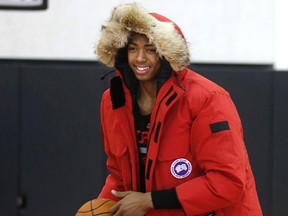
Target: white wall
{"points": [[281, 35], [219, 31]]}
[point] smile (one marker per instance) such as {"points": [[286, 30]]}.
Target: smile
{"points": [[142, 69]]}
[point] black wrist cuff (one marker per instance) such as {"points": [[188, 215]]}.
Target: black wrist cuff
{"points": [[165, 199]]}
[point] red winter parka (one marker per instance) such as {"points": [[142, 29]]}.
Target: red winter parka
{"points": [[195, 123], [195, 141]]}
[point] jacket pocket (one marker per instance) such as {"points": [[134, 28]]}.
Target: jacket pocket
{"points": [[117, 144], [173, 147], [120, 160], [174, 163]]}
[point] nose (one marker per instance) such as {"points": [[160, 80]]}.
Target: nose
{"points": [[141, 56]]}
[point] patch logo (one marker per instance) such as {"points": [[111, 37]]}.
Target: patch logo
{"points": [[181, 168]]}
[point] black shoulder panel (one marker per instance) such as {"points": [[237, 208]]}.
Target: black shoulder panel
{"points": [[117, 92]]}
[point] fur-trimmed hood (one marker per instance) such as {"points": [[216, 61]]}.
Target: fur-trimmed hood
{"points": [[126, 18]]}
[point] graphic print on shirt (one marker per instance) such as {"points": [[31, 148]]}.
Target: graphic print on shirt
{"points": [[142, 140]]}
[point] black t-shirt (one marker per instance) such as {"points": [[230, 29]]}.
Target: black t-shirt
{"points": [[142, 125]]}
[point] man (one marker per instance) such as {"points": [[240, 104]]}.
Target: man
{"points": [[173, 138]]}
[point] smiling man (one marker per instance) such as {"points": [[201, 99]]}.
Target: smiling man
{"points": [[173, 138], [144, 60]]}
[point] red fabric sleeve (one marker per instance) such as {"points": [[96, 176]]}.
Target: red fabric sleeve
{"points": [[221, 154]]}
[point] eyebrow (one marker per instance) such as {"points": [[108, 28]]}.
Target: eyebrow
{"points": [[146, 45]]}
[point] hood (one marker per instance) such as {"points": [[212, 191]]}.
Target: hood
{"points": [[166, 35]]}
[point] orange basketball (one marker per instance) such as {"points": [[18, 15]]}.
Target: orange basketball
{"points": [[99, 206]]}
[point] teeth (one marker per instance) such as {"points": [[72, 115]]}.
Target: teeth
{"points": [[142, 68]]}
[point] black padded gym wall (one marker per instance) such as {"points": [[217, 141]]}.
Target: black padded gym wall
{"points": [[9, 138], [51, 154], [62, 155], [51, 151], [280, 145]]}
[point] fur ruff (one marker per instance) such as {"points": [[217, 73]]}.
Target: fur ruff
{"points": [[130, 17]]}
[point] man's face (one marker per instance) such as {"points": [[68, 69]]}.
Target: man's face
{"points": [[143, 58]]}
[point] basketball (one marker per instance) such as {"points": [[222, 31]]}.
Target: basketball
{"points": [[99, 206]]}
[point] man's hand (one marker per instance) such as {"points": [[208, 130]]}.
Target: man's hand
{"points": [[132, 203]]}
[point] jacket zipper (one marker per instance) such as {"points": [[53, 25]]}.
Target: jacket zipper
{"points": [[168, 92], [154, 123], [152, 129]]}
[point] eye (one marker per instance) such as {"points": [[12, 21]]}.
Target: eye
{"points": [[131, 48], [151, 50]]}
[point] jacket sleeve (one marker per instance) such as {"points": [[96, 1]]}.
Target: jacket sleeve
{"points": [[113, 180], [217, 143]]}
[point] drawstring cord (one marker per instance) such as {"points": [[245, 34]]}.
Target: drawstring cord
{"points": [[178, 82], [105, 75]]}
